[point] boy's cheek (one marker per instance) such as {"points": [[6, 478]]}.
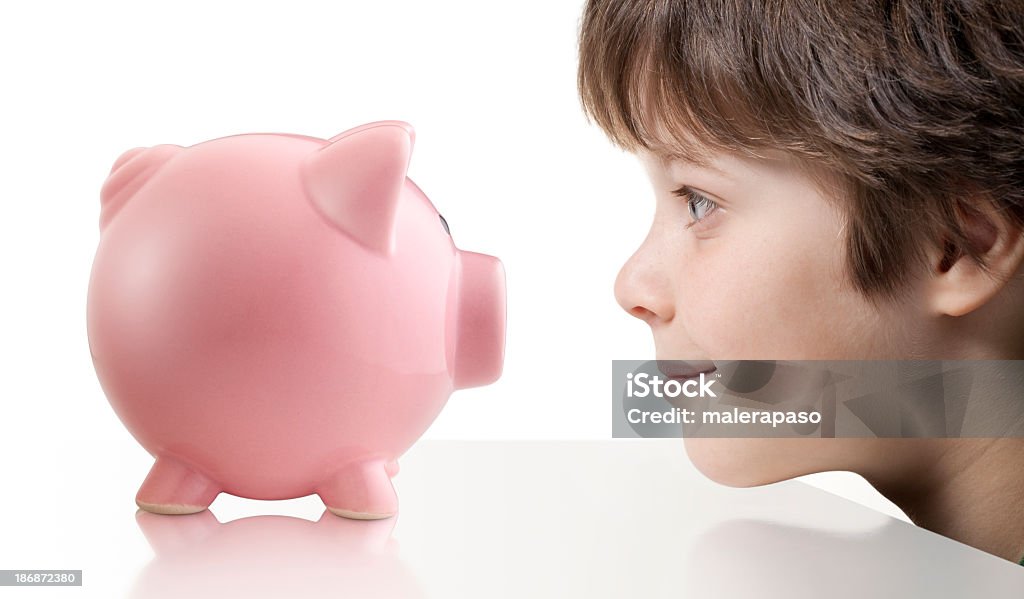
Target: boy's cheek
{"points": [[793, 314], [750, 305]]}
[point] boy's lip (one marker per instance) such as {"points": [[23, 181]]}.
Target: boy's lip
{"points": [[685, 369]]}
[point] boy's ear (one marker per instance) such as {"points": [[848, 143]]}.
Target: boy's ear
{"points": [[959, 285]]}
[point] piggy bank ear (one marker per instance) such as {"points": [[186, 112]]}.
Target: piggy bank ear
{"points": [[356, 180], [128, 174]]}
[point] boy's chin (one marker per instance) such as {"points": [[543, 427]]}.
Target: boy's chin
{"points": [[737, 462]]}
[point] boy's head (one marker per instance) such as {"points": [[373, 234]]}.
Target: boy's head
{"points": [[915, 107], [836, 180]]}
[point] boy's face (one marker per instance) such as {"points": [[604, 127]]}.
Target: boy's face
{"points": [[760, 273], [749, 263]]}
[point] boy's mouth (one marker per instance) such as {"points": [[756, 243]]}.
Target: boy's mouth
{"points": [[684, 370]]}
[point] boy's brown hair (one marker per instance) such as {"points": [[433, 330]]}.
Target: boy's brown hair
{"points": [[917, 106]]}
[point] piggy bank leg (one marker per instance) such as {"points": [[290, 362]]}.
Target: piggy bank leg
{"points": [[173, 488], [361, 491]]}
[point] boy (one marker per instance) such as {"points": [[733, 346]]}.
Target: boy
{"points": [[836, 180]]}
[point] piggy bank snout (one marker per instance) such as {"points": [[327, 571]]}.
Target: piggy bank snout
{"points": [[480, 340]]}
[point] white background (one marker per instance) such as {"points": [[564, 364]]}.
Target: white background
{"points": [[503, 151]]}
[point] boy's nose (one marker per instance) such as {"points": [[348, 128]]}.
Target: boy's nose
{"points": [[642, 289]]}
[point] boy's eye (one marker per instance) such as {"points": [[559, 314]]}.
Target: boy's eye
{"points": [[699, 205]]}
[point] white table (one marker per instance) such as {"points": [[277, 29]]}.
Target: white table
{"points": [[617, 518]]}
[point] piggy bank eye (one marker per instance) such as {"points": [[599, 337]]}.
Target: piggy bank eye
{"points": [[444, 224]]}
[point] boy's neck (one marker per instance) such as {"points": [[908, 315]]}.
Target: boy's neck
{"points": [[973, 493]]}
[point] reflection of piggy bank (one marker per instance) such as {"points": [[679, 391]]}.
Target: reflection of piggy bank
{"points": [[277, 315], [271, 556]]}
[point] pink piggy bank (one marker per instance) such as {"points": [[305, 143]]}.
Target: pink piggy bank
{"points": [[277, 315]]}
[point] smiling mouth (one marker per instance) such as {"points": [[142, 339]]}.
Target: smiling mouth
{"points": [[685, 370]]}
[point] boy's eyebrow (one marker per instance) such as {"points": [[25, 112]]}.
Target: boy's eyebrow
{"points": [[668, 154]]}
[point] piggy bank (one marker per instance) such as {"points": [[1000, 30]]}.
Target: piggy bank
{"points": [[275, 315]]}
